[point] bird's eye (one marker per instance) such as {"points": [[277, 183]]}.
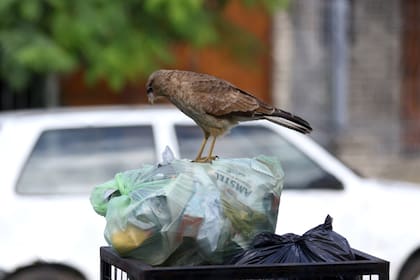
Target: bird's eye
{"points": [[149, 90]]}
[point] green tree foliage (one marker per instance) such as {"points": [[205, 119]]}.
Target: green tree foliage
{"points": [[115, 40]]}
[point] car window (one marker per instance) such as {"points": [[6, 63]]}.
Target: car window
{"points": [[75, 160], [252, 140]]}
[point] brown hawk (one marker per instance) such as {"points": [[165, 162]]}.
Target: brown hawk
{"points": [[215, 105]]}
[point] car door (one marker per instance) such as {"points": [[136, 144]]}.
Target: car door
{"points": [[310, 192]]}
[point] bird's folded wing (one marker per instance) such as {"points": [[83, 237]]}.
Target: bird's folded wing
{"points": [[220, 98]]}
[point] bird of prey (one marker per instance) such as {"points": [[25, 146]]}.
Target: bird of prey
{"points": [[215, 104]]}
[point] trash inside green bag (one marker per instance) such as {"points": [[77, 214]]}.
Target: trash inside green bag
{"points": [[153, 212]]}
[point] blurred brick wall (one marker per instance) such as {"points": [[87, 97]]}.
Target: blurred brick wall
{"points": [[216, 60], [383, 136]]}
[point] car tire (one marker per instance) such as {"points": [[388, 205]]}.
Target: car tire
{"points": [[411, 270], [51, 271]]}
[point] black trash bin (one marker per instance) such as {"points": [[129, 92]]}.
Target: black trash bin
{"points": [[114, 267]]}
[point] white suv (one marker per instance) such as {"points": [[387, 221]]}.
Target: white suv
{"points": [[51, 159]]}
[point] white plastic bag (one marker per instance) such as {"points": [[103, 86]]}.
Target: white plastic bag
{"points": [[216, 209]]}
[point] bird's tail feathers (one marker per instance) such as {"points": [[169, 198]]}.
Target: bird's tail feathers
{"points": [[290, 121]]}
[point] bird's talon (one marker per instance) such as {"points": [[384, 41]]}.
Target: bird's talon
{"points": [[205, 159]]}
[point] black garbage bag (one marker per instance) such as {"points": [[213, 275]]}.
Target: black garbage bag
{"points": [[319, 244]]}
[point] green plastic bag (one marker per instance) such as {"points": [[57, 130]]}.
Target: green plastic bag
{"points": [[186, 213]]}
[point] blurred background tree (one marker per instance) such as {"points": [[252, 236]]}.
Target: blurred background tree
{"points": [[116, 41]]}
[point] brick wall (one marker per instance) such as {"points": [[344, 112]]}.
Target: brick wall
{"points": [[373, 133], [372, 140]]}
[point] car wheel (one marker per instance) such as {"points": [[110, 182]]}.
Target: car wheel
{"points": [[411, 270], [49, 271]]}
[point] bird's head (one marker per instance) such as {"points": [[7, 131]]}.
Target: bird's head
{"points": [[155, 85]]}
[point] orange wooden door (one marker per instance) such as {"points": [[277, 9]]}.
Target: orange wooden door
{"points": [[410, 95]]}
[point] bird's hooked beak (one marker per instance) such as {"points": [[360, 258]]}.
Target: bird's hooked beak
{"points": [[150, 94]]}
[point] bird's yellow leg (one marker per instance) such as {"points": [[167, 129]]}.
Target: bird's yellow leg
{"points": [[203, 144], [209, 158]]}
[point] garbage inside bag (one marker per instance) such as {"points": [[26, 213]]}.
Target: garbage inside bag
{"points": [[320, 244], [217, 209]]}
